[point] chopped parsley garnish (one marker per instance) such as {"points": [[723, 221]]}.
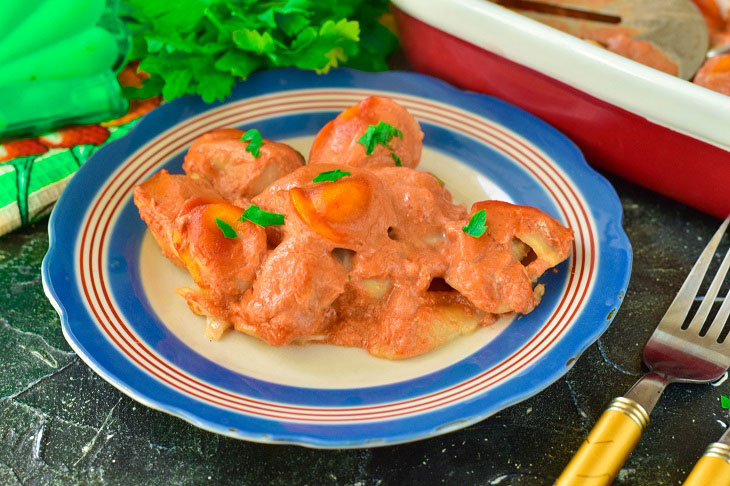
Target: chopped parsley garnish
{"points": [[226, 228], [476, 226], [437, 178], [397, 159], [380, 134], [258, 216], [330, 176], [255, 141]]}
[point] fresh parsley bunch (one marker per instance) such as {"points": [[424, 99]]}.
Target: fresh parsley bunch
{"points": [[203, 46]]}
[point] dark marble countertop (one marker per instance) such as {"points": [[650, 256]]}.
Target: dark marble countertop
{"points": [[60, 423]]}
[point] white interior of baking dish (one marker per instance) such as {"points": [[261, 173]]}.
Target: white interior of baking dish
{"points": [[654, 95]]}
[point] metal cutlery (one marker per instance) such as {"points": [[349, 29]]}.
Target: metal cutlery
{"points": [[713, 468], [674, 353]]}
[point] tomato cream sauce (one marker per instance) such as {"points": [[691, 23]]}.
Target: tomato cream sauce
{"points": [[372, 253]]}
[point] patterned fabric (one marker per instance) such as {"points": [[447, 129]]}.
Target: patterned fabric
{"points": [[34, 171]]}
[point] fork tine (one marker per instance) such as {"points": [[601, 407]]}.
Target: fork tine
{"points": [[677, 312], [701, 315], [718, 323]]}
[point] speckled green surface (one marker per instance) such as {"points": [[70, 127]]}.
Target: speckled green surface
{"points": [[61, 424]]}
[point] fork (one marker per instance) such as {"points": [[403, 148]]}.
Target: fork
{"points": [[713, 468], [672, 354]]}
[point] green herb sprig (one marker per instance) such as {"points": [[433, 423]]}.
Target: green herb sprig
{"points": [[258, 216], [226, 228], [202, 47], [255, 141], [477, 224], [330, 176], [380, 134], [440, 181], [252, 214]]}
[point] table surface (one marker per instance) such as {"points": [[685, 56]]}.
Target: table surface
{"points": [[61, 423]]}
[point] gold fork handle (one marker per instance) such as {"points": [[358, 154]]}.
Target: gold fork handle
{"points": [[607, 446], [713, 469]]}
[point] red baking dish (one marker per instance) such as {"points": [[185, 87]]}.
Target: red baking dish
{"points": [[659, 131]]}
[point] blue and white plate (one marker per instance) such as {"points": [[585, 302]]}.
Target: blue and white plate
{"points": [[116, 296]]}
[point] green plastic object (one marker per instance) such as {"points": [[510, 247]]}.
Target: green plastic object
{"points": [[90, 51], [40, 106], [58, 60], [44, 23]]}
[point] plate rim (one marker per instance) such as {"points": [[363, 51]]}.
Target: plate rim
{"points": [[612, 206]]}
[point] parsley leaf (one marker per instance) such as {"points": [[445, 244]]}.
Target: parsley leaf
{"points": [[181, 16], [476, 226], [214, 86], [177, 84], [253, 40], [237, 63], [396, 159], [258, 216], [379, 134], [226, 228], [204, 46], [437, 178], [330, 176], [255, 141]]}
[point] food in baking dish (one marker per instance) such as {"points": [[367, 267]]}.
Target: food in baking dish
{"points": [[354, 248], [713, 74]]}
